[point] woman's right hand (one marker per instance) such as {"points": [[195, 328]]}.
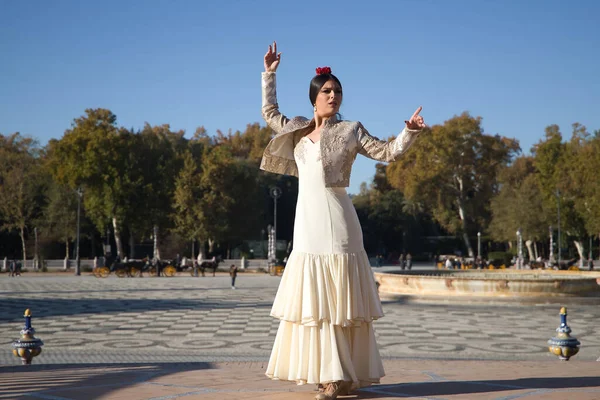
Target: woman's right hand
{"points": [[272, 58]]}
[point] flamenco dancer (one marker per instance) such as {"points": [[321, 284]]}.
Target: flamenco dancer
{"points": [[327, 299]]}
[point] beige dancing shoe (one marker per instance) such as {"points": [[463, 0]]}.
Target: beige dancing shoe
{"points": [[332, 390]]}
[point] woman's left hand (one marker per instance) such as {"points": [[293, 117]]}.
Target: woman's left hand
{"points": [[416, 121]]}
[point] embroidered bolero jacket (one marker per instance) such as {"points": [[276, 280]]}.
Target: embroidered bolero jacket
{"points": [[340, 141]]}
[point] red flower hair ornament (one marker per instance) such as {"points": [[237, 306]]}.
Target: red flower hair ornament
{"points": [[323, 70]]}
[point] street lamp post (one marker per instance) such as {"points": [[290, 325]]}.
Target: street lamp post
{"points": [[77, 260], [107, 245], [551, 256], [35, 257], [558, 212], [155, 238], [271, 247], [479, 245], [520, 249], [275, 194]]}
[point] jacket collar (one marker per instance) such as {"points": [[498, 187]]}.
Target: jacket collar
{"points": [[298, 123]]}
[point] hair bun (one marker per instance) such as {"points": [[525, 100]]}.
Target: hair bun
{"points": [[323, 70]]}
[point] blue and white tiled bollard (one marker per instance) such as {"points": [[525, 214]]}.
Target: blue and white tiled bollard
{"points": [[28, 346], [563, 345]]}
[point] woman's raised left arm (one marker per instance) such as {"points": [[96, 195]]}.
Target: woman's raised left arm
{"points": [[381, 150]]}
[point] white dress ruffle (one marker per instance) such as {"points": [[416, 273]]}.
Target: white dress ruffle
{"points": [[335, 288], [327, 299]]}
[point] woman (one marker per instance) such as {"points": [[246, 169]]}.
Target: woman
{"points": [[327, 299]]}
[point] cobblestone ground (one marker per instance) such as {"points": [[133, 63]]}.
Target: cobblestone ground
{"points": [[184, 319]]}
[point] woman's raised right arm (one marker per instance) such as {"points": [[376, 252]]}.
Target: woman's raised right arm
{"points": [[270, 109]]}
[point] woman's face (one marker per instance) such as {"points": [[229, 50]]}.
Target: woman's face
{"points": [[329, 99]]}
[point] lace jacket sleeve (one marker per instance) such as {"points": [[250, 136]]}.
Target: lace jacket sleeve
{"points": [[270, 108], [381, 150]]}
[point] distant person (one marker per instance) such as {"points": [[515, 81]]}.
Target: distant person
{"points": [[233, 270], [17, 268], [590, 264], [401, 261], [457, 263], [479, 263], [448, 263], [215, 264], [408, 261]]}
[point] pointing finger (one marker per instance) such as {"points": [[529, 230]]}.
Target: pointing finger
{"points": [[416, 112]]}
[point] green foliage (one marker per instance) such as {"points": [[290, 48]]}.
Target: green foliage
{"points": [[22, 194], [127, 177], [452, 171], [188, 192], [219, 190], [209, 187], [389, 221], [558, 175], [93, 155], [557, 169], [500, 257], [580, 183], [60, 215], [518, 204]]}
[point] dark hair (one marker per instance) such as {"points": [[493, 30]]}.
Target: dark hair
{"points": [[317, 83]]}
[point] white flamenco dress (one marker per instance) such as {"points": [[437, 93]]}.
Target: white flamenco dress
{"points": [[327, 299]]}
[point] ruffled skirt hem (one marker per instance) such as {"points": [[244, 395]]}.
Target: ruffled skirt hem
{"points": [[334, 288], [326, 304], [325, 353]]}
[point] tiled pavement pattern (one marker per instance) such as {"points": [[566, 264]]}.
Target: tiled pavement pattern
{"points": [[184, 319]]}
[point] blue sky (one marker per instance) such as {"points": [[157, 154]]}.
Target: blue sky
{"points": [[521, 65]]}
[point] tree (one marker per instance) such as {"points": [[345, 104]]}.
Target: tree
{"points": [[94, 154], [552, 158], [187, 200], [153, 163], [217, 181], [251, 207], [60, 214], [391, 223], [580, 184], [248, 145], [584, 174], [517, 205], [21, 185], [452, 170]]}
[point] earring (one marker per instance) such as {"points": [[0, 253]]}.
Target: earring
{"points": [[315, 108]]}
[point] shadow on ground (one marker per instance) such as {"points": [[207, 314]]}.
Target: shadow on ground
{"points": [[89, 381], [421, 389]]}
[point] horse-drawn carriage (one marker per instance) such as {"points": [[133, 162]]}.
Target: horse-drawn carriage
{"points": [[153, 267], [135, 268], [564, 265], [203, 267]]}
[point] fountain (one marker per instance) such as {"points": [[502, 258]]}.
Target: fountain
{"points": [[490, 283]]}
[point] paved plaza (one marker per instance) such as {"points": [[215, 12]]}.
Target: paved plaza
{"points": [[147, 328]]}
